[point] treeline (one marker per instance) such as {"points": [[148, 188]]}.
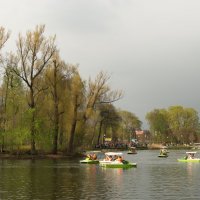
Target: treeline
{"points": [[45, 105], [176, 124]]}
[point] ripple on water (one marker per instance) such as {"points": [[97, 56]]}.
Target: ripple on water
{"points": [[154, 178]]}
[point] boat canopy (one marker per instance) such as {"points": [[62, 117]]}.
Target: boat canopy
{"points": [[93, 151], [114, 153], [191, 152]]}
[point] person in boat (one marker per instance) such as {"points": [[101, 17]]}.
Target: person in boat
{"points": [[89, 157], [94, 156], [188, 156], [191, 156], [132, 149], [119, 159], [108, 158], [115, 157], [163, 152]]}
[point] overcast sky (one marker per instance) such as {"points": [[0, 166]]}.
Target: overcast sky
{"points": [[151, 48]]}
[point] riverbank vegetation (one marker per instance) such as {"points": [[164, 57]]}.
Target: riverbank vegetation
{"points": [[45, 105], [175, 125]]}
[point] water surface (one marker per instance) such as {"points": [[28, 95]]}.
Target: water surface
{"points": [[154, 178]]}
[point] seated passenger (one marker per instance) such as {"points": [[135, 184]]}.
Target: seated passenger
{"points": [[190, 156], [107, 158], [89, 157], [119, 159], [94, 157], [163, 152], [115, 157]]}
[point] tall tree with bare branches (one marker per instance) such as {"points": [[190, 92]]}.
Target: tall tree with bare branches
{"points": [[4, 35], [98, 92], [34, 52]]}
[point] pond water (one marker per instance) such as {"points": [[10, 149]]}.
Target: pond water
{"points": [[154, 178]]}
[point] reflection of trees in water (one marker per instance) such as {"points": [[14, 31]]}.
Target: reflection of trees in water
{"points": [[62, 179], [192, 170], [93, 183], [44, 179], [189, 170]]}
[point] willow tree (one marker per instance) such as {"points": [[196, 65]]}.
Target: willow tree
{"points": [[184, 123], [4, 36], [130, 123], [13, 98], [158, 122], [109, 119], [34, 52], [57, 76], [98, 92], [77, 99]]}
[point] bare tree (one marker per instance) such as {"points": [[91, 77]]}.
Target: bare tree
{"points": [[99, 93], [3, 36], [34, 53]]}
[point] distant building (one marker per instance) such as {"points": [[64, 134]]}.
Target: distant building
{"points": [[142, 136]]}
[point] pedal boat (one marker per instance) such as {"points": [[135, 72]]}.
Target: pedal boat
{"points": [[189, 157], [163, 153], [163, 156], [90, 158], [165, 149], [132, 150], [88, 161], [114, 163]]}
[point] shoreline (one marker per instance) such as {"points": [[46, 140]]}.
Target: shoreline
{"points": [[62, 155], [37, 156]]}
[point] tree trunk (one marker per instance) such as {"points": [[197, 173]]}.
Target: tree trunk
{"points": [[100, 127], [73, 128], [5, 115], [56, 113], [71, 139], [61, 131], [32, 106], [55, 140], [93, 135]]}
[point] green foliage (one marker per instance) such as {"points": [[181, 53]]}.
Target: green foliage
{"points": [[42, 97], [16, 138], [177, 123], [129, 124], [158, 121]]}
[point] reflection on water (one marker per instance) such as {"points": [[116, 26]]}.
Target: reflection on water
{"points": [[154, 178]]}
